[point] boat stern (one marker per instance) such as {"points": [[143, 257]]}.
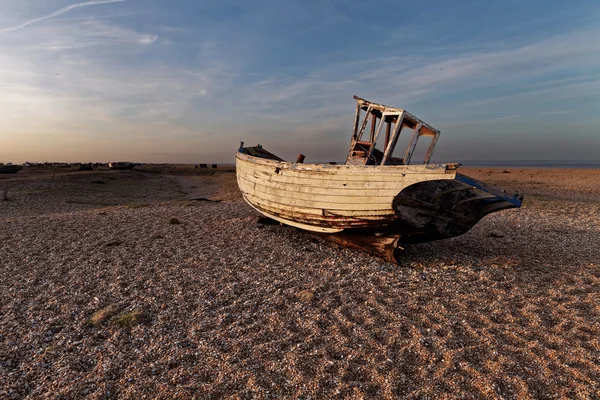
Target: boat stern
{"points": [[440, 209]]}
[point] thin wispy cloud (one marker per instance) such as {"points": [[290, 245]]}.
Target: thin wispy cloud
{"points": [[148, 39], [59, 12], [557, 112]]}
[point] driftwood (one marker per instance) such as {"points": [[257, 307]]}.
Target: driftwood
{"points": [[387, 247]]}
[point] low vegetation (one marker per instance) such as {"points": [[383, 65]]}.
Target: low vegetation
{"points": [[305, 296], [129, 320], [103, 315]]}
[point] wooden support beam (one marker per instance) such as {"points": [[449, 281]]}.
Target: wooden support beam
{"points": [[373, 123], [413, 144], [356, 120], [364, 124], [374, 139], [393, 140], [388, 128], [431, 147]]}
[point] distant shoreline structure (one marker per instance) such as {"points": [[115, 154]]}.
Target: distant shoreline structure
{"points": [[545, 164]]}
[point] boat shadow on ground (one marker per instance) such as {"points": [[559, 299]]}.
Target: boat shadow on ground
{"points": [[517, 239]]}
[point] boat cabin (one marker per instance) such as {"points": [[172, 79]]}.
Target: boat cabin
{"points": [[375, 117]]}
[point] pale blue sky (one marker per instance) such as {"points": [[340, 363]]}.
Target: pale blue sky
{"points": [[185, 81]]}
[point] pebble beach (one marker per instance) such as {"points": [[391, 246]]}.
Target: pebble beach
{"points": [[165, 284]]}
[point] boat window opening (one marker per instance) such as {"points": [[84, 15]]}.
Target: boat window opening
{"points": [[361, 124], [404, 141], [384, 136], [396, 132], [419, 151], [431, 148]]}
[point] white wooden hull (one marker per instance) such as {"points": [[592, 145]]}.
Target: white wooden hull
{"points": [[328, 198]]}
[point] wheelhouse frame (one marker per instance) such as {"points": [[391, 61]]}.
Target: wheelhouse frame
{"points": [[363, 152]]}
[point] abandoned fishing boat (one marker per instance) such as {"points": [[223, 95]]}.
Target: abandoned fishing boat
{"points": [[10, 168], [120, 165], [376, 201]]}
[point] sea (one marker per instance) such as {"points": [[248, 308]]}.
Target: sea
{"points": [[531, 164]]}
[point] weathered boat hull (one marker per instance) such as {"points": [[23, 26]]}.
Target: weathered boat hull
{"points": [[328, 198], [415, 202], [377, 200]]}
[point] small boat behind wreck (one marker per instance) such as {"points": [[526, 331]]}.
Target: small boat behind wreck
{"points": [[121, 165], [376, 201]]}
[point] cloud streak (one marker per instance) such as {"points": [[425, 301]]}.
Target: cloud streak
{"points": [[59, 12]]}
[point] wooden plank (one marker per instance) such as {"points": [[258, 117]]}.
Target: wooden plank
{"points": [[327, 218], [374, 140], [341, 196], [412, 145], [356, 120], [386, 247], [347, 170], [367, 174], [312, 224], [388, 128], [329, 215], [373, 124], [431, 148], [307, 186], [316, 206], [324, 180], [326, 204], [391, 190], [364, 124], [389, 150], [323, 214], [322, 187]]}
